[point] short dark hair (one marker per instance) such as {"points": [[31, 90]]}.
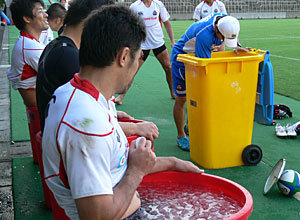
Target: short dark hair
{"points": [[108, 30], [80, 9], [21, 8], [56, 10]]}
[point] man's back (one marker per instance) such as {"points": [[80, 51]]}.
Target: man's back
{"points": [[198, 38], [57, 65], [82, 134]]}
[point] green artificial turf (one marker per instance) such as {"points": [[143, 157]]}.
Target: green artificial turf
{"points": [[149, 99]]}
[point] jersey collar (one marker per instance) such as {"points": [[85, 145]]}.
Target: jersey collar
{"points": [[25, 34], [85, 85]]}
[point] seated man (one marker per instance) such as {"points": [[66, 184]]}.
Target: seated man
{"points": [[88, 164], [30, 18]]}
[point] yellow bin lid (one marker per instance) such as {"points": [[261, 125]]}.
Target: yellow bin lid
{"points": [[222, 57]]}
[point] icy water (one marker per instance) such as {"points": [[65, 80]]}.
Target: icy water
{"points": [[174, 201]]}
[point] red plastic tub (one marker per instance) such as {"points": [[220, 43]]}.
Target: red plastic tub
{"points": [[215, 183]]}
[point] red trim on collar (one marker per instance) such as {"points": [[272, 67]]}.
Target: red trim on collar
{"points": [[85, 85], [25, 34]]}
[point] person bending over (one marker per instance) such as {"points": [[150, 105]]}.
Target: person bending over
{"points": [[211, 33]]}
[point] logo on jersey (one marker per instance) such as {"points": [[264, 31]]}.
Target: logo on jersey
{"points": [[122, 160], [140, 13], [216, 10], [205, 11], [154, 12], [124, 157]]}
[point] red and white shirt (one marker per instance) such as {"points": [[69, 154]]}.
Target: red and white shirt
{"points": [[46, 36], [84, 148], [24, 61], [203, 9], [152, 16]]}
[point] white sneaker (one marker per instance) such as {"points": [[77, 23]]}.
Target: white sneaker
{"points": [[280, 131], [290, 130], [296, 125]]}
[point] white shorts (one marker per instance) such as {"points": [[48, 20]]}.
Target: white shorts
{"points": [[24, 84]]}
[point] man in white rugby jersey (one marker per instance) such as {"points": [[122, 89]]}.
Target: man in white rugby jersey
{"points": [[208, 7], [31, 19], [88, 164], [154, 13]]}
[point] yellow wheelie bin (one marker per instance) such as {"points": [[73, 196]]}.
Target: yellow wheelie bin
{"points": [[221, 95]]}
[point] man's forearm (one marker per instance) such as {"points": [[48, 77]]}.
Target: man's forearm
{"points": [[173, 163], [129, 128], [163, 164]]}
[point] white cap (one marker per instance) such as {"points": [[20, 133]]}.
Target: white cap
{"points": [[229, 27]]}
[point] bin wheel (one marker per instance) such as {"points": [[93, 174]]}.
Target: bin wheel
{"points": [[252, 155]]}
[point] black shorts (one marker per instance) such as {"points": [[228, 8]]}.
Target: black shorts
{"points": [[156, 51], [134, 215]]}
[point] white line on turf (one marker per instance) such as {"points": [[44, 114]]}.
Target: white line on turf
{"points": [[271, 38], [288, 58]]}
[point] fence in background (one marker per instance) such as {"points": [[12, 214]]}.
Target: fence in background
{"points": [[248, 9]]}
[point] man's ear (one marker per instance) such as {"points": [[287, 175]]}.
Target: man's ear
{"points": [[123, 56], [27, 19], [58, 21]]}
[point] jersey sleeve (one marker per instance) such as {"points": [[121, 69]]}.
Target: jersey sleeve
{"points": [[164, 14], [87, 163], [197, 12], [222, 8]]}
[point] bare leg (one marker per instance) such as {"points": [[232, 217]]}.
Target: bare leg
{"points": [[120, 98], [164, 60], [179, 115], [29, 96]]}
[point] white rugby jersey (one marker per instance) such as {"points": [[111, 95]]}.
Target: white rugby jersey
{"points": [[46, 36], [202, 10], [152, 16], [25, 58], [84, 148]]}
